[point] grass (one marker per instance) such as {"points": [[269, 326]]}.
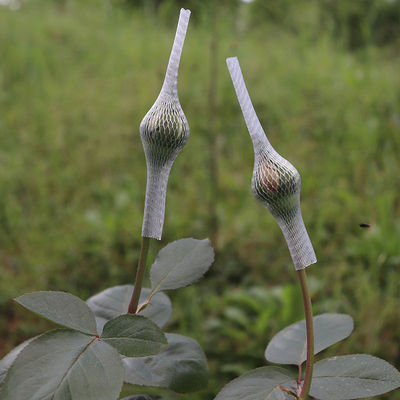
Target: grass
{"points": [[75, 83]]}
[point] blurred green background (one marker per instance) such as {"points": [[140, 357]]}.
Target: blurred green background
{"points": [[77, 77]]}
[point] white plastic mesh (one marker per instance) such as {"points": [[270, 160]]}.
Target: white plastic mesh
{"points": [[164, 131], [275, 182]]}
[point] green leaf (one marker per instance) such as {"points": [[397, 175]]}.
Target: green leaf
{"points": [[180, 366], [134, 336], [289, 346], [64, 365], [61, 308], [181, 263], [9, 358], [354, 376], [114, 301], [260, 384]]}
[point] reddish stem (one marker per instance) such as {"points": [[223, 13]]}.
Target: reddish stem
{"points": [[310, 334]]}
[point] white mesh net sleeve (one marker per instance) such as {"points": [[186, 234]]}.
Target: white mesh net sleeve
{"points": [[275, 182], [164, 131]]}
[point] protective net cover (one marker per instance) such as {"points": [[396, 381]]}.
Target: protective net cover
{"points": [[275, 182], [164, 131]]}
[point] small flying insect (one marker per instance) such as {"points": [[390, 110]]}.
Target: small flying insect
{"points": [[364, 225]]}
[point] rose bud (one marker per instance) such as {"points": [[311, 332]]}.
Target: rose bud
{"points": [[164, 131], [275, 182]]}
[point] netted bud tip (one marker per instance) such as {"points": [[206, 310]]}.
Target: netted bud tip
{"points": [[275, 182], [164, 131]]}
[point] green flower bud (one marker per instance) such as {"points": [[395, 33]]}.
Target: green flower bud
{"points": [[276, 185], [164, 131]]}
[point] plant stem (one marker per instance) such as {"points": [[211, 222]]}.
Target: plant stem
{"points": [[144, 249], [310, 334]]}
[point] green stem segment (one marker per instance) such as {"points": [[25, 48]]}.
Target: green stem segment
{"points": [[310, 334], [144, 249]]}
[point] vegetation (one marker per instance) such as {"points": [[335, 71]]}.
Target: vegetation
{"points": [[75, 82]]}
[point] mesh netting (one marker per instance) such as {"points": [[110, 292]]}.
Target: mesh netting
{"points": [[275, 182], [164, 131]]}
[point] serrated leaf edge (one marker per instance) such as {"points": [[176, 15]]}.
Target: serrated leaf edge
{"points": [[269, 393], [350, 376], [304, 350], [95, 337], [156, 289]]}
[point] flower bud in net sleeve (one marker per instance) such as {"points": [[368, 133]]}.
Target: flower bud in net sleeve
{"points": [[275, 182], [164, 131]]}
